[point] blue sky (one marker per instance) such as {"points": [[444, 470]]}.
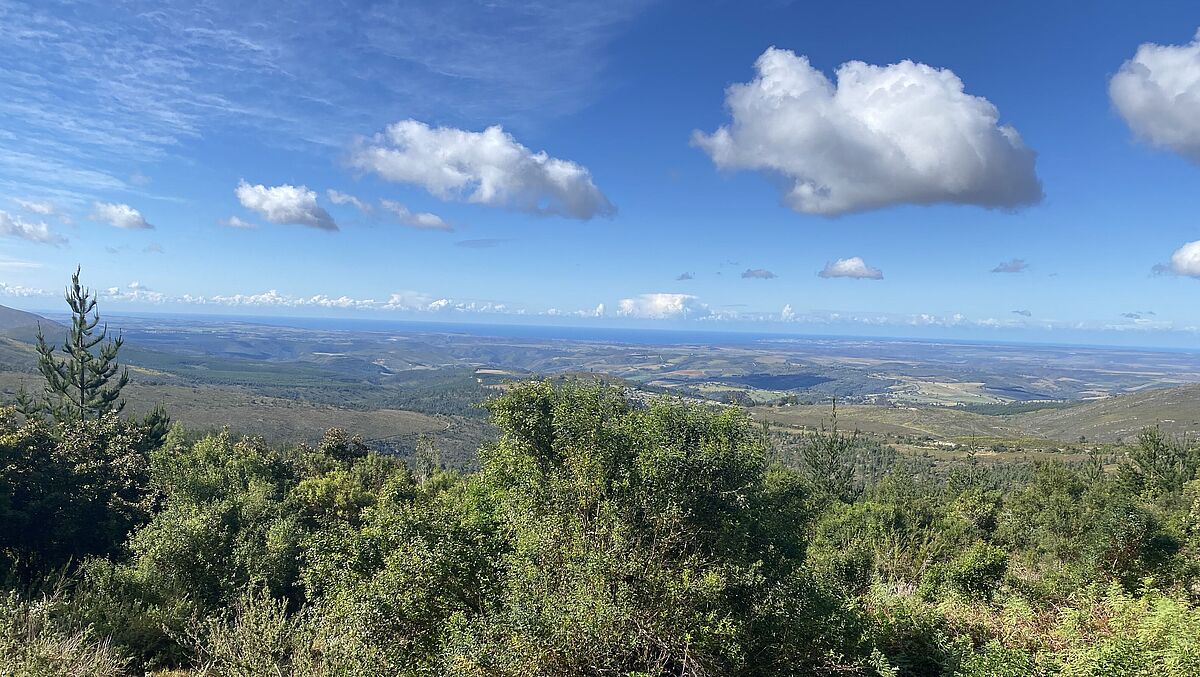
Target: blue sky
{"points": [[564, 162]]}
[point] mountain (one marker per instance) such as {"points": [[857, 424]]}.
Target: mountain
{"points": [[12, 319]]}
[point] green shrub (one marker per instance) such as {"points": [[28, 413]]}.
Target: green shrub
{"points": [[978, 571], [37, 641]]}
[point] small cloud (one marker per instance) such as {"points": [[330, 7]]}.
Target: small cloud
{"points": [[36, 206], [139, 179], [787, 314], [120, 216], [758, 274], [684, 277], [1139, 315], [340, 198], [153, 248], [422, 220], [1185, 261], [44, 208], [20, 290], [12, 225], [1023, 313], [853, 267], [482, 243], [662, 306], [235, 222], [285, 204], [1013, 266]]}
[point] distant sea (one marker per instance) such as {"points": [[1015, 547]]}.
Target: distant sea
{"points": [[614, 335], [624, 335]]}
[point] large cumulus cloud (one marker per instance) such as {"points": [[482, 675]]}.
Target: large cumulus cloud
{"points": [[487, 167], [883, 135], [1158, 94], [285, 204]]}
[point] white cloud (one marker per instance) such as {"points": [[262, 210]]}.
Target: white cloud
{"points": [[339, 198], [120, 215], [12, 225], [1011, 266], [146, 78], [20, 290], [36, 206], [758, 274], [662, 306], [404, 301], [884, 135], [1186, 260], [787, 314], [487, 167], [423, 220], [853, 267], [1158, 94], [235, 222], [44, 208], [135, 292], [285, 204]]}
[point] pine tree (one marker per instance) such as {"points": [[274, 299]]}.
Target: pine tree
{"points": [[828, 456], [86, 381], [156, 424]]}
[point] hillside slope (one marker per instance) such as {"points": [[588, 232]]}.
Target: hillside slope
{"points": [[11, 318], [1176, 410], [23, 325]]}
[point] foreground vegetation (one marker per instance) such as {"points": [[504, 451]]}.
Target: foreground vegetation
{"points": [[601, 536]]}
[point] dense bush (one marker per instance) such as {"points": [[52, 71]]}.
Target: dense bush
{"points": [[599, 537]]}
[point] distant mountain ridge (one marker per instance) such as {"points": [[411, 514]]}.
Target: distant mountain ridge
{"points": [[22, 326], [11, 318]]}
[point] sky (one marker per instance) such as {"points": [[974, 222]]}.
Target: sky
{"points": [[1010, 171]]}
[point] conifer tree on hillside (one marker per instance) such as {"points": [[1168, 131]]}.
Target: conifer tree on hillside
{"points": [[86, 381]]}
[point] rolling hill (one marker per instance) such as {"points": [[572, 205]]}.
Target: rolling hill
{"points": [[1176, 410]]}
